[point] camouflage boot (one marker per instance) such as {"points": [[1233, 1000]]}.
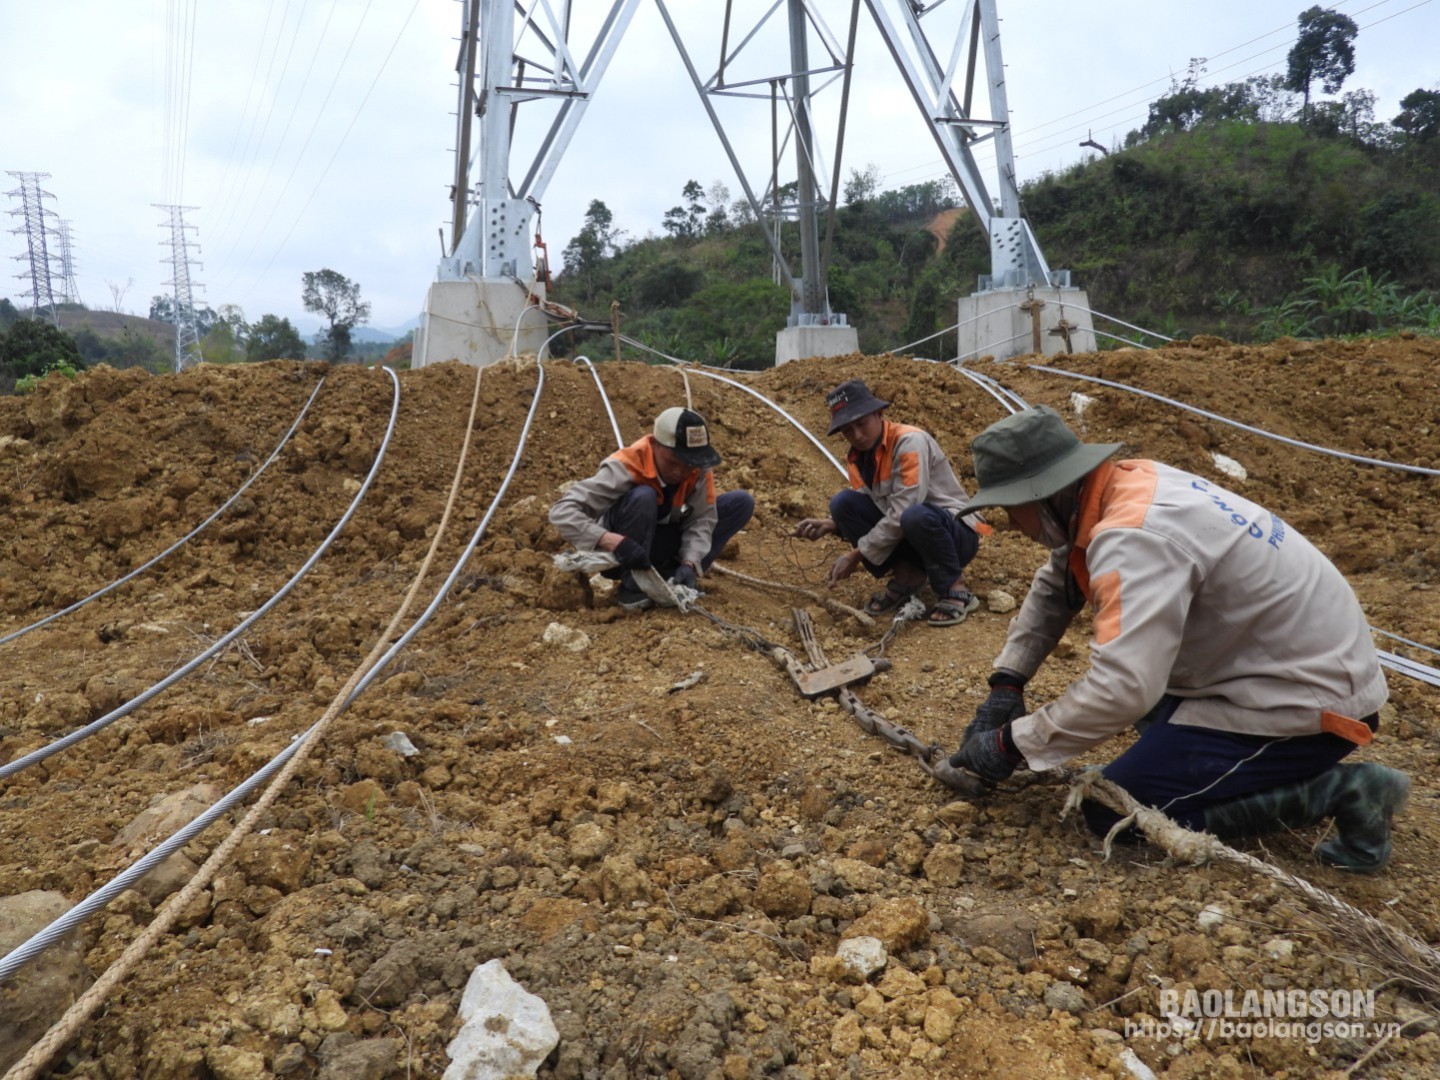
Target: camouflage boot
{"points": [[1361, 798]]}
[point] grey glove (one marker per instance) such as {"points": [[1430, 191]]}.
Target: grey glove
{"points": [[989, 754], [1005, 703], [631, 555], [684, 575]]}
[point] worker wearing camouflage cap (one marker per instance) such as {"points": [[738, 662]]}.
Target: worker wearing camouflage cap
{"points": [[1234, 646]]}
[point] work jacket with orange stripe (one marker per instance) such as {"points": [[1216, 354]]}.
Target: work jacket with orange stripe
{"points": [[1199, 593], [910, 468], [576, 514]]}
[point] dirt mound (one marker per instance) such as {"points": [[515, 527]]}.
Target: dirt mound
{"points": [[671, 869]]}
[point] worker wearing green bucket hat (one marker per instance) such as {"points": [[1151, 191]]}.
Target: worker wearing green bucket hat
{"points": [[1223, 635]]}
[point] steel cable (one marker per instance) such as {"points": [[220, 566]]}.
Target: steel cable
{"points": [[290, 759], [1417, 469], [11, 768], [703, 370], [179, 543]]}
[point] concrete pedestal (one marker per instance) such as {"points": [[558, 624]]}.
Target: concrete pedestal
{"points": [[798, 342], [474, 322], [1017, 322]]}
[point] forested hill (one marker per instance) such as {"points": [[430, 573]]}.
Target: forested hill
{"points": [[1213, 219]]}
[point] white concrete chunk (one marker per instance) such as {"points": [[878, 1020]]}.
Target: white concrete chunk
{"points": [[507, 1031]]}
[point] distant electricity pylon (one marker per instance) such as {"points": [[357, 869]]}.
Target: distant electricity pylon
{"points": [[32, 209], [70, 291], [187, 333]]}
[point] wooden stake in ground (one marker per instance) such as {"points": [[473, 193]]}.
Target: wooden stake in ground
{"points": [[830, 604]]}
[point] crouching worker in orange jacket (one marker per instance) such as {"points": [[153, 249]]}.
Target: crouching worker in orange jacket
{"points": [[1234, 646], [653, 504]]}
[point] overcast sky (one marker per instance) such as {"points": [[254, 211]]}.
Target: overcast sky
{"points": [[309, 134]]}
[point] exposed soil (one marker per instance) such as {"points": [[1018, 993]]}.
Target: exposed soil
{"points": [[671, 870]]}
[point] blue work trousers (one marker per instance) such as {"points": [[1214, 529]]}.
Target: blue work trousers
{"points": [[1182, 769], [634, 515], [935, 540]]}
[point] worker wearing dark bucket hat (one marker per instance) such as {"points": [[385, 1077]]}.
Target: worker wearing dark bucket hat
{"points": [[1234, 646], [653, 504], [903, 514], [850, 401]]}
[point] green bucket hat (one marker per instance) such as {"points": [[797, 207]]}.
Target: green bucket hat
{"points": [[1028, 456]]}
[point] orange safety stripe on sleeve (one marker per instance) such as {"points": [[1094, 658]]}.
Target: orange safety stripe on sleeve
{"points": [[910, 468], [709, 487], [1080, 571], [1105, 593], [1117, 495], [1348, 728]]}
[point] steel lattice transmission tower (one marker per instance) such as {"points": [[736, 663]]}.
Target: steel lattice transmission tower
{"points": [[70, 292], [33, 210], [187, 334], [519, 57]]}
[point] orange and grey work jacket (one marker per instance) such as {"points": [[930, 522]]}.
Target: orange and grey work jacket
{"points": [[910, 468], [576, 514], [1199, 593]]}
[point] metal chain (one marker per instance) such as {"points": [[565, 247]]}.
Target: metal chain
{"points": [[909, 611]]}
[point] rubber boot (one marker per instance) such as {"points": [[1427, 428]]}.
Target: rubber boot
{"points": [[1361, 798]]}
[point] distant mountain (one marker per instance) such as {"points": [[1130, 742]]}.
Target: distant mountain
{"points": [[397, 332], [361, 335]]}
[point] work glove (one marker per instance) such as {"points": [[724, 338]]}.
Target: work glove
{"points": [[684, 575], [1005, 703], [989, 754], [631, 555]]}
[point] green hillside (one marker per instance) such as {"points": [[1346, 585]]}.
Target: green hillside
{"points": [[1204, 229], [1213, 220]]}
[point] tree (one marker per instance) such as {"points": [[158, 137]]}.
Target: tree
{"points": [[596, 242], [684, 222], [718, 218], [33, 347], [222, 345], [861, 187], [274, 338], [337, 298], [162, 309], [117, 292], [1420, 118], [1324, 50]]}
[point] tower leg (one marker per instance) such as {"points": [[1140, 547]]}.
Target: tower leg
{"points": [[798, 342], [1007, 322], [475, 322]]}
